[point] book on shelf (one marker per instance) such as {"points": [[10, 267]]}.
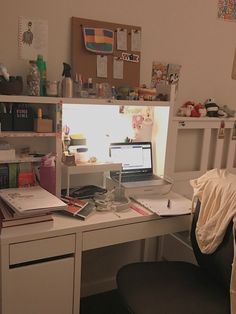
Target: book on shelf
{"points": [[8, 218], [4, 177], [31, 200]]}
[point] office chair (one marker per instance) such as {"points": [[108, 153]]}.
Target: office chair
{"points": [[177, 287]]}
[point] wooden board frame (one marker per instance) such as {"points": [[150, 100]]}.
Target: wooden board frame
{"points": [[84, 62]]}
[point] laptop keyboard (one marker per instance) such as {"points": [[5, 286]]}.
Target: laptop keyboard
{"points": [[138, 178]]}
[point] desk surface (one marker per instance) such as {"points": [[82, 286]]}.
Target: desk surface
{"points": [[98, 220], [61, 243]]}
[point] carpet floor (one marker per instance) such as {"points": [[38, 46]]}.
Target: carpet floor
{"points": [[103, 303]]}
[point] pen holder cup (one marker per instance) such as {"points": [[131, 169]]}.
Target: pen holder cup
{"points": [[6, 122], [119, 194]]}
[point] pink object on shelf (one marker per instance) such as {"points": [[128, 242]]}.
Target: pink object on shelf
{"points": [[48, 178]]}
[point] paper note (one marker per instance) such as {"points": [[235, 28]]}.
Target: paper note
{"points": [[121, 39], [101, 66], [135, 40], [32, 38], [118, 66]]}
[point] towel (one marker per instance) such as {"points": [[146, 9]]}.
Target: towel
{"points": [[216, 190]]}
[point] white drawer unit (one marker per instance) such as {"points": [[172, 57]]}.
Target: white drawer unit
{"points": [[40, 276], [41, 249], [45, 287]]}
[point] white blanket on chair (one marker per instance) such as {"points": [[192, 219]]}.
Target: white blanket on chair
{"points": [[216, 190]]}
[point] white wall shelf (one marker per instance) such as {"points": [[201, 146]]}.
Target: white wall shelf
{"points": [[25, 134], [40, 143], [21, 160], [85, 101]]}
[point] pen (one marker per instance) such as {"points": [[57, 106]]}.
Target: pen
{"points": [[168, 203]]}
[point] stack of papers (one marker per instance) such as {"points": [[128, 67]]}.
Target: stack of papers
{"points": [[31, 200]]}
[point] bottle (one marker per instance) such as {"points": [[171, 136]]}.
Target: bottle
{"points": [[78, 84], [113, 92], [67, 83], [41, 64], [33, 80]]}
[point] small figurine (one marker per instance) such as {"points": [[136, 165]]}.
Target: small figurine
{"points": [[212, 108]]}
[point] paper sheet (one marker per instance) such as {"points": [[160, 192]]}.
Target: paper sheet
{"points": [[135, 40], [121, 39], [32, 38], [101, 66], [118, 68], [170, 204]]}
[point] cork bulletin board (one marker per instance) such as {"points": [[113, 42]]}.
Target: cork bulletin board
{"points": [[84, 62]]}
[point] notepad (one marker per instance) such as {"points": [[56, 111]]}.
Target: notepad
{"points": [[171, 204]]}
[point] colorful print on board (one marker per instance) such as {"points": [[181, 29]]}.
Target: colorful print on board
{"points": [[227, 10], [98, 40]]}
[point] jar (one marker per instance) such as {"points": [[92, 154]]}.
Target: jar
{"points": [[33, 80], [52, 88]]}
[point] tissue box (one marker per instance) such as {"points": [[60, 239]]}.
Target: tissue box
{"points": [[43, 125]]}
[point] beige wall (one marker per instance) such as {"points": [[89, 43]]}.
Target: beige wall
{"points": [[178, 31], [184, 31]]}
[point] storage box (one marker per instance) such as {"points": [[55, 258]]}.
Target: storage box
{"points": [[6, 121], [23, 118], [7, 154], [43, 125]]}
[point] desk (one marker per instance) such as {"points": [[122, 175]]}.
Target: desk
{"points": [[41, 263]]}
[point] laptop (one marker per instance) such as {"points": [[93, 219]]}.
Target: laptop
{"points": [[137, 164]]}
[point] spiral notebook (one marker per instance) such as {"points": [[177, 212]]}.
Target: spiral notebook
{"points": [[171, 204]]}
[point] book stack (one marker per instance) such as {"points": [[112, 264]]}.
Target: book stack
{"points": [[21, 206]]}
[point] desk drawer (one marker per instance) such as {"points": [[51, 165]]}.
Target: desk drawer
{"points": [[41, 249], [136, 231]]}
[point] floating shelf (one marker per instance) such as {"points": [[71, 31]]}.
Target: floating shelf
{"points": [[26, 134]]}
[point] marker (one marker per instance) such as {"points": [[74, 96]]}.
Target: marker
{"points": [[139, 210]]}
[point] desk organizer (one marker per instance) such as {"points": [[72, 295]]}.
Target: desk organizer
{"points": [[6, 121], [42, 125], [12, 87]]}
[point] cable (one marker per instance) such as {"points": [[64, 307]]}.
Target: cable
{"points": [[110, 202]]}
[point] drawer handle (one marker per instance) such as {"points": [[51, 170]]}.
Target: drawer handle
{"points": [[182, 123], [40, 261]]}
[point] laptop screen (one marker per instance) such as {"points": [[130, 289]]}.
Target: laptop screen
{"points": [[136, 157]]}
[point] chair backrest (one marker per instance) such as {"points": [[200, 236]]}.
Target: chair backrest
{"points": [[219, 263]]}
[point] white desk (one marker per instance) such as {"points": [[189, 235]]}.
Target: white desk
{"points": [[41, 263]]}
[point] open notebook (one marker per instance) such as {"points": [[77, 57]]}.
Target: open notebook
{"points": [[169, 204]]}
